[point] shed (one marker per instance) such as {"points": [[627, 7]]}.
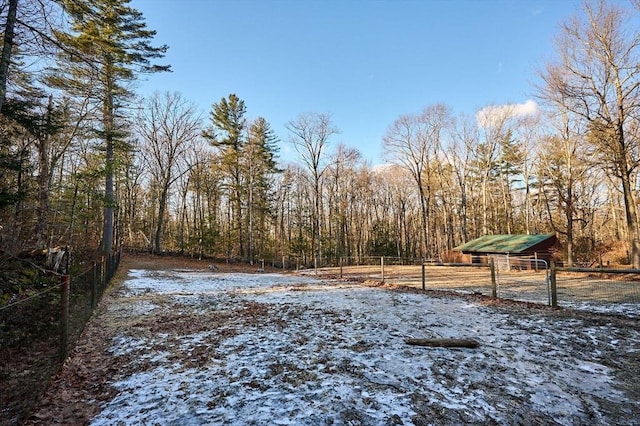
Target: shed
{"points": [[540, 246]]}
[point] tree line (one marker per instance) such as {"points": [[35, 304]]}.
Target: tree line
{"points": [[85, 162]]}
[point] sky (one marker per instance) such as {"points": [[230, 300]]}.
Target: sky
{"points": [[364, 62]]}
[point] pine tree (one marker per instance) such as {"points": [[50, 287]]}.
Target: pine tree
{"points": [[111, 47], [259, 159], [227, 135]]}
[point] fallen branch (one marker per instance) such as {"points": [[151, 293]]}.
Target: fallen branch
{"points": [[444, 343]]}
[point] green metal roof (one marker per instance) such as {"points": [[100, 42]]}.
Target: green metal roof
{"points": [[504, 243]]}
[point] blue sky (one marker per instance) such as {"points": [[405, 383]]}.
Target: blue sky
{"points": [[365, 62]]}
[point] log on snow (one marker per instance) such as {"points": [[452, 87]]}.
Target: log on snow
{"points": [[444, 343]]}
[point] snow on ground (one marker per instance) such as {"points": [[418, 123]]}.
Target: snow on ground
{"points": [[236, 349]]}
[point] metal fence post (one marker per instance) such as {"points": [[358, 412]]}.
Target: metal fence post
{"points": [[340, 267], [552, 281], [424, 277], [494, 283], [382, 267], [64, 315]]}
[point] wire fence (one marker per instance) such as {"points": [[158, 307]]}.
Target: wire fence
{"points": [[37, 331], [524, 279], [599, 290]]}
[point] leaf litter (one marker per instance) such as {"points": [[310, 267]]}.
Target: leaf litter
{"points": [[187, 347]]}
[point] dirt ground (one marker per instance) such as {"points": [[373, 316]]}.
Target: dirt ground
{"points": [[85, 385], [90, 344]]}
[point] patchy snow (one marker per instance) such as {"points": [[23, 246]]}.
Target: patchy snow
{"points": [[237, 349], [631, 310]]}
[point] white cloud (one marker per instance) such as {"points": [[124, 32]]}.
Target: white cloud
{"points": [[494, 114]]}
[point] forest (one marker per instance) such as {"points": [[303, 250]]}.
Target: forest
{"points": [[86, 163]]}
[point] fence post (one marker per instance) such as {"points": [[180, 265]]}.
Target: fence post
{"points": [[103, 272], [424, 277], [552, 281], [64, 315], [382, 267], [340, 267], [494, 283], [94, 287]]}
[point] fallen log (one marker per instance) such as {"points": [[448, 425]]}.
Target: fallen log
{"points": [[444, 343]]}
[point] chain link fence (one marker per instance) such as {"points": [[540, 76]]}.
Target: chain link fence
{"points": [[38, 329]]}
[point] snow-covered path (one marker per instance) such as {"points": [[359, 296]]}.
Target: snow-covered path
{"points": [[236, 349]]}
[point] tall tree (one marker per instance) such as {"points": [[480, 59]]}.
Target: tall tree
{"points": [[7, 47], [458, 155], [496, 124], [26, 29], [226, 133], [310, 134], [598, 74], [343, 166], [509, 169], [259, 161], [169, 128], [111, 46], [413, 142]]}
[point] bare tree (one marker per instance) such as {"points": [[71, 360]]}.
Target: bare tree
{"points": [[496, 124], [458, 155], [169, 128], [561, 167], [597, 74], [413, 142], [310, 134], [344, 162]]}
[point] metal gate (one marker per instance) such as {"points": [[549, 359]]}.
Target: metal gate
{"points": [[525, 279]]}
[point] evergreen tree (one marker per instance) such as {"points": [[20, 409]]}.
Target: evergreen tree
{"points": [[259, 158], [227, 135], [510, 170], [12, 159], [111, 47]]}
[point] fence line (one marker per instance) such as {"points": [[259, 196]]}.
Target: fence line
{"points": [[37, 332], [531, 280], [602, 290]]}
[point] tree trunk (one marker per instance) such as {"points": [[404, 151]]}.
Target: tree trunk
{"points": [[632, 221], [485, 227], [157, 242], [569, 217], [424, 221], [184, 216], [7, 47], [43, 185], [109, 129]]}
